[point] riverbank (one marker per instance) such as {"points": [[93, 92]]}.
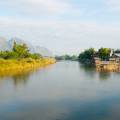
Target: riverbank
{"points": [[108, 66], [14, 67]]}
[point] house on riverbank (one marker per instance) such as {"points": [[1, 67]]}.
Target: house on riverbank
{"points": [[113, 64]]}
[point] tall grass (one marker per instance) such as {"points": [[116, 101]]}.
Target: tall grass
{"points": [[15, 66]]}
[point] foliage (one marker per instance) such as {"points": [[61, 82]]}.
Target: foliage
{"points": [[8, 55], [87, 57], [104, 53], [19, 51], [74, 57], [67, 57], [35, 56]]}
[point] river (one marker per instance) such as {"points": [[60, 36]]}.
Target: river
{"points": [[63, 91]]}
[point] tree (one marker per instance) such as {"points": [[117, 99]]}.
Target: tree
{"points": [[74, 58], [21, 49], [104, 53], [87, 57]]}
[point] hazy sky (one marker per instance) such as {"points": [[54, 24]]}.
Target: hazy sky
{"points": [[63, 26]]}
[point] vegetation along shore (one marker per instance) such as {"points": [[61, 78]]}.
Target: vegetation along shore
{"points": [[105, 59], [20, 59]]}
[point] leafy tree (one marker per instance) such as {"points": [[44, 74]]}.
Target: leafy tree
{"points": [[104, 53], [87, 57], [21, 49]]}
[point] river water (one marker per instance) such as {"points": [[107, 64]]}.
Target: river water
{"points": [[63, 91]]}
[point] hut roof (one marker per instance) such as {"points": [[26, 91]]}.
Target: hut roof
{"points": [[117, 54]]}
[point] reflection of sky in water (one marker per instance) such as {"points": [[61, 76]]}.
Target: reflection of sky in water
{"points": [[64, 91], [105, 109]]}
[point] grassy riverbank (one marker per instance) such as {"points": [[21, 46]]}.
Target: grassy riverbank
{"points": [[14, 66], [19, 59]]}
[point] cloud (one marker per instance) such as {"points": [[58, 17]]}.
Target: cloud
{"points": [[38, 21], [62, 36], [38, 8], [51, 6]]}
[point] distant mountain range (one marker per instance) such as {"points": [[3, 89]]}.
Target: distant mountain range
{"points": [[8, 44], [3, 44]]}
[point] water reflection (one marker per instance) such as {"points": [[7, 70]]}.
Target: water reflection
{"points": [[64, 91], [91, 71], [104, 75], [20, 77]]}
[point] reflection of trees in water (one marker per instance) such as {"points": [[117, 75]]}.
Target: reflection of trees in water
{"points": [[88, 69], [19, 77], [91, 71], [23, 77], [104, 75]]}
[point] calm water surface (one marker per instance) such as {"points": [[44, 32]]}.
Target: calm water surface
{"points": [[63, 91]]}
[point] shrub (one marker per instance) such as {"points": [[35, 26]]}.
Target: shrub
{"points": [[35, 56], [8, 55]]}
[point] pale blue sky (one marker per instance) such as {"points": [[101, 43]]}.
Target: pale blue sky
{"points": [[63, 26]]}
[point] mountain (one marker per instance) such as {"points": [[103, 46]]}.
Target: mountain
{"points": [[43, 51], [18, 41], [3, 44], [8, 45], [33, 49]]}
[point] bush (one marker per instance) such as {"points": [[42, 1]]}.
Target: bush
{"points": [[35, 56], [8, 55]]}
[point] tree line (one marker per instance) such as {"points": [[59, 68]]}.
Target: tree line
{"points": [[19, 51], [67, 57], [87, 56]]}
